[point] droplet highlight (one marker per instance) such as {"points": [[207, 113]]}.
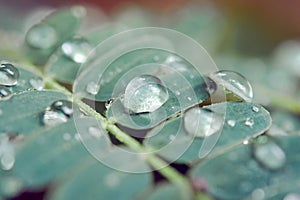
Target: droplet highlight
{"points": [[59, 112], [76, 49], [4, 92], [201, 122], [92, 88], [234, 82], [231, 123], [269, 154], [9, 75], [249, 122], [145, 93], [42, 36], [255, 109]]}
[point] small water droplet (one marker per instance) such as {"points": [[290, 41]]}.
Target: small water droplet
{"points": [[201, 122], [67, 136], [270, 155], [292, 196], [76, 49], [156, 58], [77, 136], [177, 93], [63, 106], [7, 161], [234, 82], [9, 74], [145, 93], [4, 92], [249, 122], [211, 86], [231, 122], [192, 76], [258, 194], [95, 132], [92, 88], [255, 109], [42, 36], [37, 84], [172, 137], [109, 102], [245, 142], [189, 98]]}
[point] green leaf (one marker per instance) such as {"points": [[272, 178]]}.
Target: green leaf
{"points": [[173, 142], [55, 151], [68, 72], [65, 23], [168, 191], [96, 181], [22, 112]]}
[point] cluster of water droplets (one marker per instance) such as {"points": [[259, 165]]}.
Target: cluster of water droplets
{"points": [[9, 77], [59, 112], [7, 152]]}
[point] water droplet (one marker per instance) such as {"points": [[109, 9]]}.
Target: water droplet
{"points": [[37, 84], [172, 137], [42, 36], [234, 82], [177, 93], [249, 122], [95, 132], [7, 161], [63, 106], [269, 154], [109, 102], [4, 92], [231, 122], [292, 196], [258, 194], [156, 58], [52, 118], [67, 136], [245, 142], [211, 85], [9, 75], [201, 122], [189, 98], [145, 93], [255, 109], [92, 88], [76, 49]]}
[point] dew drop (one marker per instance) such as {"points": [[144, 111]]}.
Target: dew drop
{"points": [[92, 88], [255, 109], [145, 93], [9, 75], [234, 82], [63, 106], [95, 132], [177, 93], [7, 153], [7, 161], [42, 36], [201, 122], [245, 142], [258, 194], [292, 196], [189, 98], [231, 122], [4, 92], [270, 155], [76, 49], [172, 137], [109, 102], [37, 84], [249, 122]]}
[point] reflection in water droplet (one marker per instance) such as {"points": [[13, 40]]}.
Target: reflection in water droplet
{"points": [[76, 49], [231, 122], [9, 75], [95, 132], [4, 92], [42, 36], [37, 84], [63, 106], [201, 122], [292, 196], [145, 93], [235, 83], [109, 102], [92, 88], [270, 155], [255, 109], [7, 161], [249, 122]]}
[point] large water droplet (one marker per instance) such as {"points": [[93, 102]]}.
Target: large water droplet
{"points": [[92, 88], [37, 84], [201, 122], [57, 113], [145, 93], [292, 196], [9, 75], [269, 154], [76, 49], [234, 82], [42, 36], [4, 92]]}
